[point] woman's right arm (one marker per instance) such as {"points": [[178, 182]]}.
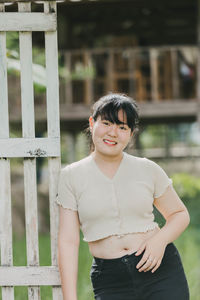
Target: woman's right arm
{"points": [[68, 250]]}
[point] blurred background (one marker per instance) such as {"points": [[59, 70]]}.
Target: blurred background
{"points": [[149, 50]]}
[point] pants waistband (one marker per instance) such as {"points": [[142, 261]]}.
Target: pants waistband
{"points": [[123, 258], [128, 257]]}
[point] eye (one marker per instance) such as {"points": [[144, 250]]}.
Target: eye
{"points": [[122, 127], [105, 122]]}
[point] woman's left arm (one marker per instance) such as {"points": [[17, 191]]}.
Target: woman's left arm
{"points": [[177, 219]]}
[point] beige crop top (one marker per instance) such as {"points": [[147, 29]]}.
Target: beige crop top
{"points": [[117, 206]]}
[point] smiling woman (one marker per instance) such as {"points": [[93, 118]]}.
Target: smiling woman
{"points": [[110, 195]]}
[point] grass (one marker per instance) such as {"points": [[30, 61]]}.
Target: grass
{"points": [[187, 244]]}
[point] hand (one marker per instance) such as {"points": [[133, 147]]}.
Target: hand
{"points": [[154, 250]]}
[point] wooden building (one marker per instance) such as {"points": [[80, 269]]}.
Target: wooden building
{"points": [[147, 49]]}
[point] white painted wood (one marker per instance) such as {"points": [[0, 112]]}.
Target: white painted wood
{"points": [[5, 188], [51, 54], [32, 275], [15, 21], [6, 223], [4, 128], [29, 275], [25, 39], [28, 128], [54, 169], [30, 147], [53, 126]]}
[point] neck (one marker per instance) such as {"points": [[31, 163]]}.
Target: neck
{"points": [[109, 158]]}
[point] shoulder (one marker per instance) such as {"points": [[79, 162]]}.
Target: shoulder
{"points": [[142, 163], [76, 167]]}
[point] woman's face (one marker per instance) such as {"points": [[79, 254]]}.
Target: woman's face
{"points": [[110, 138]]}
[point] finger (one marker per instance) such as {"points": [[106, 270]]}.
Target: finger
{"points": [[156, 266], [145, 266], [153, 264], [142, 261], [139, 251]]}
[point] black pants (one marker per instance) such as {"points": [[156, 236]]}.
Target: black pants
{"points": [[119, 279]]}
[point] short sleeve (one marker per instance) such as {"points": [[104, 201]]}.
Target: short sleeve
{"points": [[161, 180], [66, 197]]}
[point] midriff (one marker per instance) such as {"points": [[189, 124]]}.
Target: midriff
{"points": [[114, 247]]}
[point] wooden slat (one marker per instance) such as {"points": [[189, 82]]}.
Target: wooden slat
{"points": [[5, 185], [4, 128], [30, 147], [51, 53], [135, 49], [28, 128], [29, 276], [110, 72], [6, 223], [53, 126], [68, 84], [131, 72], [175, 79], [88, 98], [168, 109], [154, 74], [175, 152], [27, 22]]}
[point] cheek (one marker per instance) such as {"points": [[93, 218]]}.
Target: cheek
{"points": [[98, 132], [125, 137]]}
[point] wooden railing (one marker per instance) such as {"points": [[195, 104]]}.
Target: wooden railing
{"points": [[147, 74]]}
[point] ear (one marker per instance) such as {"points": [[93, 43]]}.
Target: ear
{"points": [[91, 122]]}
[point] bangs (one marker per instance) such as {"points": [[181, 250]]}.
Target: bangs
{"points": [[111, 115]]}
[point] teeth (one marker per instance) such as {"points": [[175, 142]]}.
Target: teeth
{"points": [[113, 143]]}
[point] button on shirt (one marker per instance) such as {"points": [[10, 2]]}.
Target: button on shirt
{"points": [[117, 206]]}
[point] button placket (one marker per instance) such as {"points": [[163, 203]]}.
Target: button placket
{"points": [[116, 207]]}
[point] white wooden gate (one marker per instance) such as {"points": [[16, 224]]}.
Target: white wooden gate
{"points": [[33, 276]]}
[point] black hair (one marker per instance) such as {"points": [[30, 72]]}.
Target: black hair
{"points": [[108, 107]]}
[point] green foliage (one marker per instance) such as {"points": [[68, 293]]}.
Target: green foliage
{"points": [[188, 246], [157, 136], [188, 189], [80, 72]]}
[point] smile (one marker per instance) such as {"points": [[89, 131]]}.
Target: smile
{"points": [[110, 142]]}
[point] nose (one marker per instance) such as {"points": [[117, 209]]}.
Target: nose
{"points": [[113, 130]]}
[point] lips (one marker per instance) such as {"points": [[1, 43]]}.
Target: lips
{"points": [[109, 142]]}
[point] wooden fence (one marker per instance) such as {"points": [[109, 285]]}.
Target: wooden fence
{"points": [[33, 275]]}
